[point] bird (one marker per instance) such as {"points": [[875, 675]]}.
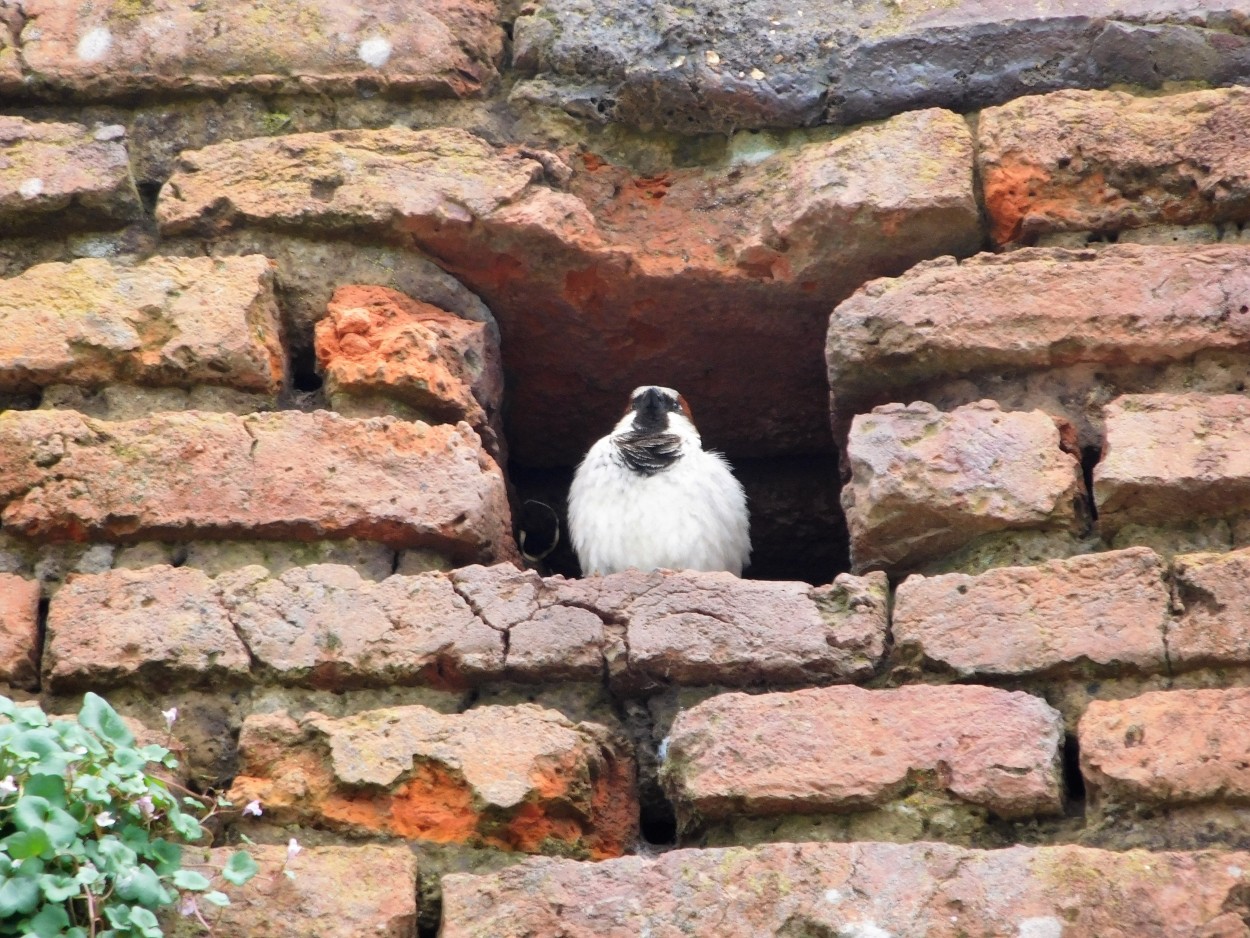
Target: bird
{"points": [[648, 496]]}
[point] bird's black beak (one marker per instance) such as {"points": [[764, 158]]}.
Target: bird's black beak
{"points": [[650, 410]]}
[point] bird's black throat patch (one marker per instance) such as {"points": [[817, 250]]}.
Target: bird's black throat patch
{"points": [[648, 451]]}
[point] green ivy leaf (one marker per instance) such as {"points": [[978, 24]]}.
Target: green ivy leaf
{"points": [[190, 879], [42, 752], [29, 716], [18, 895], [187, 827], [7, 707], [35, 813], [216, 898], [25, 844], [146, 922], [58, 887], [240, 868], [165, 856], [141, 884], [51, 922], [50, 787], [97, 716]]}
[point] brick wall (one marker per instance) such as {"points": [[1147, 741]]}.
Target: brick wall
{"points": [[299, 301]]}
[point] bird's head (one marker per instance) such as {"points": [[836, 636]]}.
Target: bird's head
{"points": [[654, 410]]}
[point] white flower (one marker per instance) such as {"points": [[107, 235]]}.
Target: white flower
{"points": [[292, 850], [253, 808], [7, 785], [170, 715], [146, 807], [104, 819]]}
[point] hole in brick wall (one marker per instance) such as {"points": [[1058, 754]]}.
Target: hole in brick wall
{"points": [[148, 194], [797, 528], [657, 823], [1073, 780], [41, 634], [1089, 459], [304, 375]]}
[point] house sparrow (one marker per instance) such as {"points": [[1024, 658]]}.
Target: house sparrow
{"points": [[649, 496]]}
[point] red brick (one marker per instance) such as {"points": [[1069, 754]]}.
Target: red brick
{"points": [[156, 627], [861, 890], [19, 631], [378, 348], [80, 175], [335, 892], [682, 628], [277, 476], [840, 749], [515, 778], [1211, 603], [592, 269], [112, 49], [325, 626], [1106, 160], [1168, 747], [1104, 610], [168, 322], [1173, 459], [1033, 311], [924, 483]]}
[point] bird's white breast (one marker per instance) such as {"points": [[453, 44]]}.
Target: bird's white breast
{"points": [[690, 516]]}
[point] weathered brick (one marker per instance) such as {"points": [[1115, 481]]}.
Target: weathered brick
{"points": [[1211, 600], [276, 476], [924, 482], [725, 66], [158, 626], [517, 778], [682, 628], [1032, 311], [383, 352], [840, 749], [334, 892], [1103, 161], [1104, 610], [552, 247], [1168, 747], [549, 639], [324, 626], [861, 890], [81, 175], [1172, 459], [19, 631], [112, 49], [169, 321]]}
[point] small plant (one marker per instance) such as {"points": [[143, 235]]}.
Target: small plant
{"points": [[90, 838]]}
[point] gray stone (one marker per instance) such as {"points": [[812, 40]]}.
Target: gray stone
{"points": [[730, 65]]}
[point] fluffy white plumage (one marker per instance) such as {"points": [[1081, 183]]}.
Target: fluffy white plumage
{"points": [[649, 496]]}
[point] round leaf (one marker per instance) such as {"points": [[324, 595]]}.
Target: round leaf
{"points": [[97, 716], [51, 922], [18, 895], [240, 868], [58, 887], [26, 844], [190, 879], [216, 898]]}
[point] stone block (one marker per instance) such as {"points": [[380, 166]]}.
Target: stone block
{"points": [[846, 749], [1105, 160], [924, 483], [1104, 611], [1172, 459], [515, 778], [177, 322], [860, 890], [1171, 747], [1211, 606], [19, 631], [78, 174], [114, 49], [276, 476]]}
